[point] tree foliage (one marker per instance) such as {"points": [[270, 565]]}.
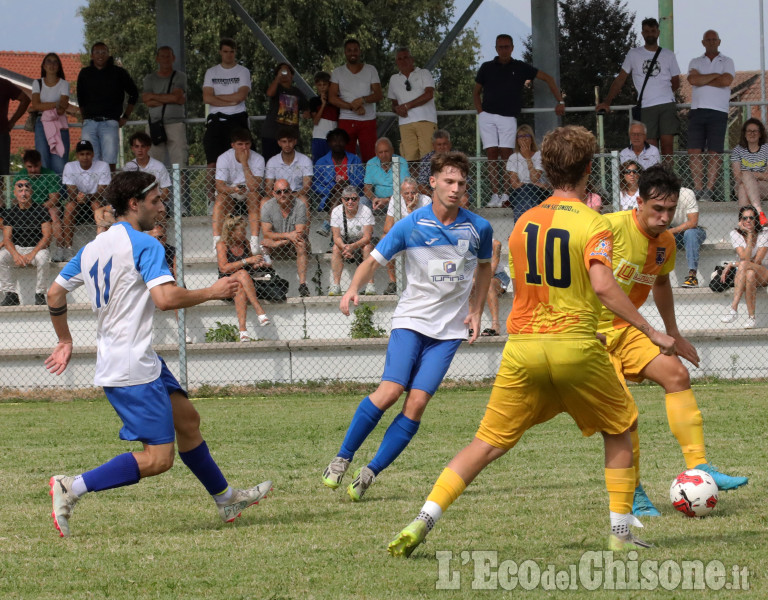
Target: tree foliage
{"points": [[310, 33]]}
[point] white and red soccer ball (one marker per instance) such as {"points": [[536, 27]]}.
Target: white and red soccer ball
{"points": [[694, 493]]}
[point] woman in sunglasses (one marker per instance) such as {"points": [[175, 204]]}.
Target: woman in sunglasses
{"points": [[751, 245], [630, 175]]}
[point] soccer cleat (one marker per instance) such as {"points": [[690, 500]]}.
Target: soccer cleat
{"points": [[730, 317], [750, 323], [303, 290], [63, 501], [691, 282], [334, 290], [334, 472], [724, 482], [627, 541], [642, 505], [391, 289], [364, 478], [370, 289], [242, 499], [407, 540], [264, 320]]}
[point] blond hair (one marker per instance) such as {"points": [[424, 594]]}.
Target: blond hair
{"points": [[228, 228], [566, 152]]}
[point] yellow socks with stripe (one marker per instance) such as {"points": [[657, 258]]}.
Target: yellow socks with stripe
{"points": [[620, 484], [686, 424], [636, 454], [448, 487]]}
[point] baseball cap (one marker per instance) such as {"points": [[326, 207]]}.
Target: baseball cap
{"points": [[83, 145]]}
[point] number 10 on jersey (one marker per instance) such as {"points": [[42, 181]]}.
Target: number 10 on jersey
{"points": [[557, 259]]}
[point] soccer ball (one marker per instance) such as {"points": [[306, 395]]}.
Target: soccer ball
{"points": [[694, 493]]}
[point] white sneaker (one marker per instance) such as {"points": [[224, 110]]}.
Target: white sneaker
{"points": [[504, 199], [751, 323], [334, 290], [370, 289], [63, 502], [242, 499], [495, 202], [730, 317], [188, 339], [264, 320], [246, 337]]}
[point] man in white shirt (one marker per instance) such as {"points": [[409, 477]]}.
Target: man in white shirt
{"points": [[225, 89], [688, 234], [290, 165], [85, 180], [239, 173], [412, 93], [659, 112], [355, 90], [639, 149], [141, 144], [710, 76]]}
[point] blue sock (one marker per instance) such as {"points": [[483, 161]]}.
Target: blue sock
{"points": [[121, 470], [365, 420], [397, 437], [201, 463]]}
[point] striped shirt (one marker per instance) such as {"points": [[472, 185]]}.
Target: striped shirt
{"points": [[750, 161]]}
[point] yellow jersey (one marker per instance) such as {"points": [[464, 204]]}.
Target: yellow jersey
{"points": [[550, 251], [638, 259]]}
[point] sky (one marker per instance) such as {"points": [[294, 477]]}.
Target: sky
{"points": [[737, 22]]}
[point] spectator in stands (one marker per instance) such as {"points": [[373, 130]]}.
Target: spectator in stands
{"points": [[225, 88], [748, 161], [628, 188], [659, 111], [286, 105], [284, 230], [26, 237], [85, 180], [141, 144], [639, 149], [412, 92], [352, 227], [751, 243], [498, 99], [441, 143], [50, 96], [165, 94], [46, 191], [325, 116], [335, 171], [593, 198], [291, 165], [378, 182], [525, 176], [497, 288], [710, 76], [239, 174], [355, 90], [102, 88], [8, 92], [410, 200], [688, 234], [234, 259]]}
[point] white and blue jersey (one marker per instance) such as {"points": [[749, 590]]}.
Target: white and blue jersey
{"points": [[440, 262], [118, 269]]}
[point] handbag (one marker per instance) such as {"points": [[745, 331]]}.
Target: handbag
{"points": [[157, 129], [716, 284], [638, 108]]}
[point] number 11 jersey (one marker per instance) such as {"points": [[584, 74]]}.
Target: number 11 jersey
{"points": [[550, 250]]}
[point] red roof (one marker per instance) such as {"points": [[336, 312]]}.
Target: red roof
{"points": [[28, 64]]}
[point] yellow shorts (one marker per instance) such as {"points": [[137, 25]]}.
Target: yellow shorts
{"points": [[630, 351], [543, 375]]}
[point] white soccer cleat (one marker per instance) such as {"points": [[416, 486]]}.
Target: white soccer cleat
{"points": [[242, 499], [63, 501]]}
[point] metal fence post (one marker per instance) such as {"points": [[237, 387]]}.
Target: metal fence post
{"points": [[615, 180], [182, 322], [400, 259]]}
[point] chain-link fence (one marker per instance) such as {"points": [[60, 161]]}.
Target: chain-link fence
{"points": [[307, 337]]}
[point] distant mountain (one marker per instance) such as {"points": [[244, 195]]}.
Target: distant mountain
{"points": [[490, 20]]}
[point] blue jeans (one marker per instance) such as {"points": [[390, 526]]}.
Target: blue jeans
{"points": [[51, 160], [526, 197], [691, 240], [104, 135]]}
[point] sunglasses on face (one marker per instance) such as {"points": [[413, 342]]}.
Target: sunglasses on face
{"points": [[23, 185], [748, 218], [351, 199], [631, 172], [407, 85], [281, 192]]}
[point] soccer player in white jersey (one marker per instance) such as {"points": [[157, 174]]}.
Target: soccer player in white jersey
{"points": [[126, 276], [443, 245]]}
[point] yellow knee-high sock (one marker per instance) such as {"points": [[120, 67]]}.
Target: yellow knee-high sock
{"points": [[448, 487], [621, 489], [687, 425], [636, 454]]}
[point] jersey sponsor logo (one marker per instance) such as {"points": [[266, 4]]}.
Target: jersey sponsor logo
{"points": [[446, 270], [628, 273], [603, 248], [431, 241], [661, 255], [462, 246]]}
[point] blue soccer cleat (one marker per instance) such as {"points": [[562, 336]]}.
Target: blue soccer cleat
{"points": [[724, 482], [642, 505]]}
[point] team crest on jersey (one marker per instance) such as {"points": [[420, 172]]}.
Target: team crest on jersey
{"points": [[661, 255], [462, 246]]}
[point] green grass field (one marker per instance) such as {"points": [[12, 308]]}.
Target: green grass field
{"points": [[544, 502]]}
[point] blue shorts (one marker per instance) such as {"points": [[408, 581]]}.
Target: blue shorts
{"points": [[417, 361], [145, 409]]}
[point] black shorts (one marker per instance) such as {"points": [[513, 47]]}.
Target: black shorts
{"points": [[218, 128], [706, 129]]}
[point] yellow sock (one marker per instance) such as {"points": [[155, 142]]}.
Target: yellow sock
{"points": [[636, 454], [448, 487], [620, 484], [687, 425]]}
